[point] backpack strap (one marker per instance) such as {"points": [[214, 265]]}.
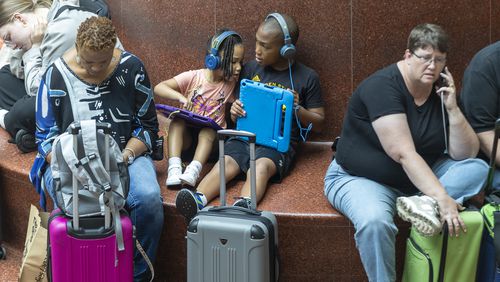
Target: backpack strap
{"points": [[75, 165], [115, 213], [80, 169], [99, 173]]}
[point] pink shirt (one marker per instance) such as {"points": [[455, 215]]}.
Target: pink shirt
{"points": [[209, 99]]}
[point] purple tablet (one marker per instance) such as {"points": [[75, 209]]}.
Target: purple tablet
{"points": [[190, 117]]}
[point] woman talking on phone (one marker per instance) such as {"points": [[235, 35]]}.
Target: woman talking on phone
{"points": [[405, 145]]}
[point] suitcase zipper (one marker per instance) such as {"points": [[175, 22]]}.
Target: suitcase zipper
{"points": [[426, 255]]}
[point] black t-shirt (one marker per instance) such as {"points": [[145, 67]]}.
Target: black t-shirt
{"points": [[359, 150], [305, 82], [480, 94]]}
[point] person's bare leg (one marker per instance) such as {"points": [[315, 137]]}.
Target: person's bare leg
{"points": [[210, 184], [188, 203], [265, 169], [204, 147], [176, 138]]}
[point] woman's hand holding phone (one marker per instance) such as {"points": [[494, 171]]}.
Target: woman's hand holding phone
{"points": [[445, 87]]}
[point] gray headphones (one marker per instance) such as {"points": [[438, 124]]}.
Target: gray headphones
{"points": [[288, 50]]}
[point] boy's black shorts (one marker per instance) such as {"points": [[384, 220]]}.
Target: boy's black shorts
{"points": [[239, 150]]}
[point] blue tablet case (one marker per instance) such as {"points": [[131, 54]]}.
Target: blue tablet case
{"points": [[191, 118], [268, 114]]}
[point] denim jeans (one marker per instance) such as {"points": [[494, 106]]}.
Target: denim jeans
{"points": [[145, 207], [496, 180], [371, 207]]}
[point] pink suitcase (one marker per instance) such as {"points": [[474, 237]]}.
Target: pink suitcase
{"points": [[85, 248], [91, 254]]}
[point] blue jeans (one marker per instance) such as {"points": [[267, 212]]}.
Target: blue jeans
{"points": [[145, 206], [371, 207], [496, 180]]}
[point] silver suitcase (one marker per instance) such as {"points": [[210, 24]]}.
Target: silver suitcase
{"points": [[229, 243]]}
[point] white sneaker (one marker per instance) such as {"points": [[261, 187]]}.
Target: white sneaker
{"points": [[174, 171], [190, 175], [422, 212]]}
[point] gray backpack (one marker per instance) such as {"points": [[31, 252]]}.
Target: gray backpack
{"points": [[86, 160]]}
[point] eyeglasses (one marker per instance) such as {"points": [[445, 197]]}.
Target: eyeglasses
{"points": [[428, 59]]}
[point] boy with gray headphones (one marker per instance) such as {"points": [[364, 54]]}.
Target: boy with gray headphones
{"points": [[275, 65]]}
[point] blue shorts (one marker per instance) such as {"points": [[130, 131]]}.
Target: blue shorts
{"points": [[239, 150]]}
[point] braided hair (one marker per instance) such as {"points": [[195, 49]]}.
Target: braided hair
{"points": [[226, 48]]}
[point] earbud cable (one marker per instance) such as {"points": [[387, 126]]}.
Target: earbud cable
{"points": [[444, 124], [304, 132], [290, 72]]}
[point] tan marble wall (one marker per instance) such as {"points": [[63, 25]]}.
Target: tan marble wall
{"points": [[344, 40]]}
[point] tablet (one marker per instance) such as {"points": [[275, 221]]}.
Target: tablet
{"points": [[269, 112], [191, 118]]}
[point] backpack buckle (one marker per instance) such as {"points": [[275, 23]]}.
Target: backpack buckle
{"points": [[106, 187], [85, 160]]}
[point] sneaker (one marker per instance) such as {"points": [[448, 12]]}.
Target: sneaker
{"points": [[188, 203], [422, 212], [243, 202], [174, 171], [190, 175], [25, 141]]}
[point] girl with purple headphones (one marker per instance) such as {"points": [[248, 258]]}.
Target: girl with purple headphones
{"points": [[205, 92]]}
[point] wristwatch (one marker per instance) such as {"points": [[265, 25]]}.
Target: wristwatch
{"points": [[131, 156], [130, 159]]}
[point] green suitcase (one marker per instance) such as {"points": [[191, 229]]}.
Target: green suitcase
{"points": [[442, 258]]}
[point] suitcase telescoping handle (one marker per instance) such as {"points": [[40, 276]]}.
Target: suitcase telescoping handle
{"points": [[251, 140], [74, 128], [493, 157]]}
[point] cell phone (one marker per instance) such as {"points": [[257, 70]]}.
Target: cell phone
{"points": [[441, 81]]}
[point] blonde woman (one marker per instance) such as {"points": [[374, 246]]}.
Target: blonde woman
{"points": [[39, 31]]}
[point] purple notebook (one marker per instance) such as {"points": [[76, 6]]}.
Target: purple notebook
{"points": [[190, 117]]}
